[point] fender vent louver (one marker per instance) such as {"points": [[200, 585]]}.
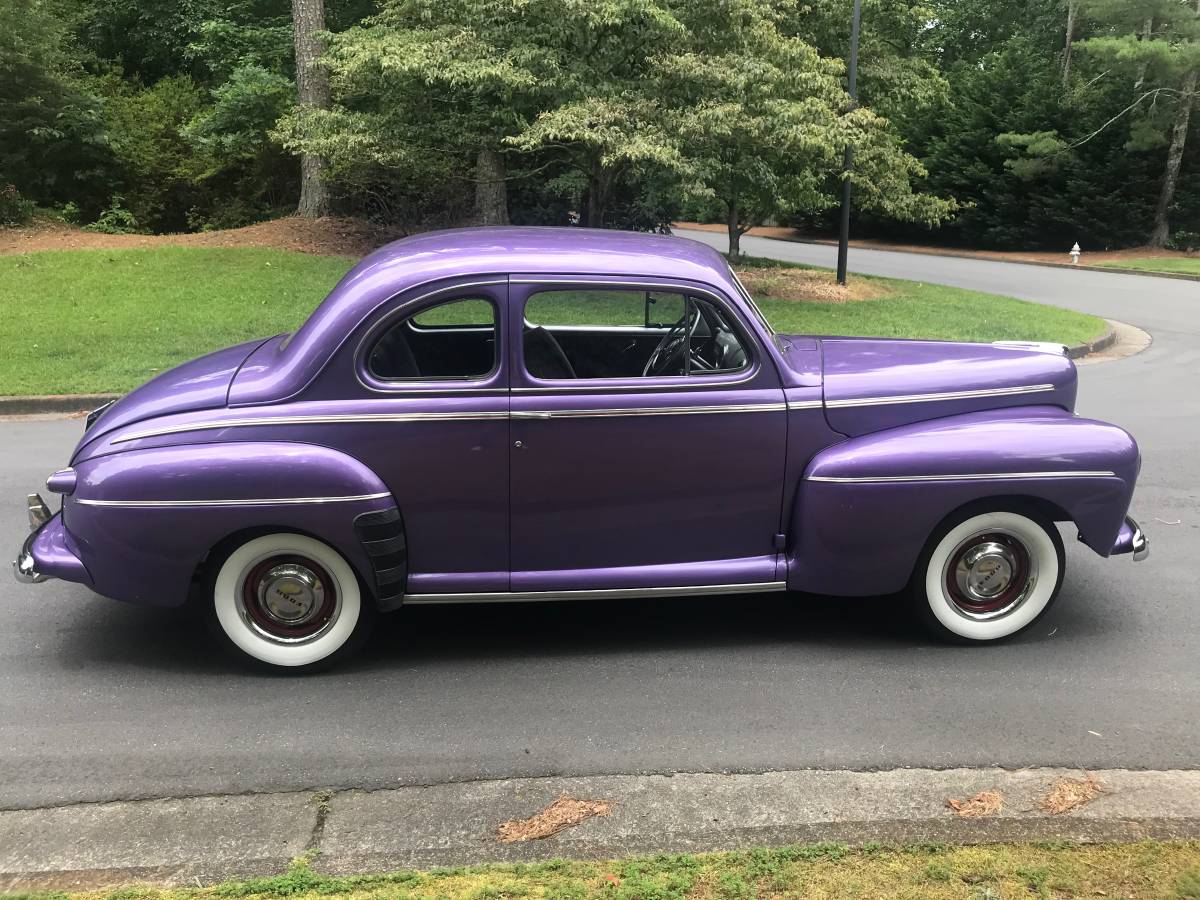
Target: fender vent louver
{"points": [[382, 536]]}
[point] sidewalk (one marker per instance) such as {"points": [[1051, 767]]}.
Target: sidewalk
{"points": [[205, 839]]}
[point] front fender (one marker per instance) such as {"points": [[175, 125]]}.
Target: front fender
{"points": [[866, 506], [143, 520]]}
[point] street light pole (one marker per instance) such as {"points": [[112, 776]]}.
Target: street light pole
{"points": [[844, 239]]}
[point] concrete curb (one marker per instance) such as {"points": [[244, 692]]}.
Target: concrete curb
{"points": [[52, 403], [1106, 340], [205, 839]]}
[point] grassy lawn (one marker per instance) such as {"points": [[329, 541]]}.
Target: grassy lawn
{"points": [[105, 320], [1189, 265], [1137, 871]]}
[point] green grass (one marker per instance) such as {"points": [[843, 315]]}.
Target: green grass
{"points": [[92, 321], [1137, 871], [106, 320], [932, 311], [1187, 265]]}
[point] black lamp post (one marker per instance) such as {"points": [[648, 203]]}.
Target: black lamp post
{"points": [[844, 239]]}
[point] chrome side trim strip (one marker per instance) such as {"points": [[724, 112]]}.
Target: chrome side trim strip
{"points": [[368, 418], [974, 476], [328, 419], [805, 404], [271, 501], [602, 594], [647, 411], [944, 395]]}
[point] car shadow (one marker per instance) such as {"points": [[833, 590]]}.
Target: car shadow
{"points": [[176, 640]]}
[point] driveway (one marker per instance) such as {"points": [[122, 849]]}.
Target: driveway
{"points": [[99, 700]]}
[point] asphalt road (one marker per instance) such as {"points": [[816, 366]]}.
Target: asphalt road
{"points": [[99, 700]]}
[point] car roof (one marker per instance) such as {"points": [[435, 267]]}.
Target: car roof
{"points": [[490, 252], [542, 250]]}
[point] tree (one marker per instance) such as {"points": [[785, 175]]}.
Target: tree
{"points": [[312, 87], [1163, 59], [761, 120], [53, 139]]}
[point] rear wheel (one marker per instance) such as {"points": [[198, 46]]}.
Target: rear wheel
{"points": [[288, 602], [988, 574]]}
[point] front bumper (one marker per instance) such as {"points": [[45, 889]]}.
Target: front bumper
{"points": [[1131, 539], [25, 566], [49, 551]]}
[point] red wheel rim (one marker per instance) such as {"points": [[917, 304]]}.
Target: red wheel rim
{"points": [[289, 598]]}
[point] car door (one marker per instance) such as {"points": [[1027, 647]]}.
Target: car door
{"points": [[436, 429], [628, 479]]}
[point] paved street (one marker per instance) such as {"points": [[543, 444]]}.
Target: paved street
{"points": [[99, 700]]}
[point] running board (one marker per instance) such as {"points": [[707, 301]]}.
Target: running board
{"points": [[699, 590]]}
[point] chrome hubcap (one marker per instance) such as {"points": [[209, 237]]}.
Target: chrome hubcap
{"points": [[290, 594], [989, 575], [985, 571], [288, 599]]}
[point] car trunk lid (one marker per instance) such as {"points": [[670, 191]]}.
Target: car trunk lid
{"points": [[202, 383]]}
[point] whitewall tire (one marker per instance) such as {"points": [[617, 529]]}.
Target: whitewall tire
{"points": [[288, 602], [988, 574]]}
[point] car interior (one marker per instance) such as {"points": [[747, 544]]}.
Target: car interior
{"points": [[443, 343]]}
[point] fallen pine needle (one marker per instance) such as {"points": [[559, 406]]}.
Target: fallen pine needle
{"points": [[1071, 793], [565, 812], [985, 803]]}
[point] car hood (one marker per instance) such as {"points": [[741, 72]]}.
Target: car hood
{"points": [[871, 384], [202, 383]]}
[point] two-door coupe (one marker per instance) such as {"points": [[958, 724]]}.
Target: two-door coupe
{"points": [[532, 414]]}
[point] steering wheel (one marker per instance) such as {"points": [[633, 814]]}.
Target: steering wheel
{"points": [[673, 345]]}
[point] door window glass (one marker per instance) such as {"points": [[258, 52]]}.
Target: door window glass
{"points": [[455, 339], [600, 333]]}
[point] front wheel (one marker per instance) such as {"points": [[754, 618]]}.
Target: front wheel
{"points": [[288, 602], [988, 574]]}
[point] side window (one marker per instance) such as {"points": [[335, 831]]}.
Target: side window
{"points": [[454, 339], [600, 333]]}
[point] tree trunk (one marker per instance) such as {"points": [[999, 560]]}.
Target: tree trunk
{"points": [[491, 190], [1147, 33], [734, 229], [600, 184], [1072, 10], [312, 86], [1162, 228]]}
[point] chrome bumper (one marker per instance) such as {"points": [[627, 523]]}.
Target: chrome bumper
{"points": [[24, 566], [1139, 542]]}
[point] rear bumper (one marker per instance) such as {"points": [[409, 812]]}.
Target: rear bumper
{"points": [[48, 552], [1131, 539]]}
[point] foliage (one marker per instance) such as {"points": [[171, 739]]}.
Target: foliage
{"points": [[53, 145], [625, 112], [116, 219], [14, 209]]}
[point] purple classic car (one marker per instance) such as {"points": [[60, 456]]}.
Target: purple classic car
{"points": [[542, 414]]}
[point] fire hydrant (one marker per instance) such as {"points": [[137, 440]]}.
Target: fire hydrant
{"points": [[1075, 251]]}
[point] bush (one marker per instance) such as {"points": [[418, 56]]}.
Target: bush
{"points": [[1184, 240], [115, 220], [14, 209]]}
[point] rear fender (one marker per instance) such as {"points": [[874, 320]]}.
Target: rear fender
{"points": [[866, 507], [144, 520]]}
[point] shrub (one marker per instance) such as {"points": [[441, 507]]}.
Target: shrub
{"points": [[116, 219], [1184, 240], [14, 209]]}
